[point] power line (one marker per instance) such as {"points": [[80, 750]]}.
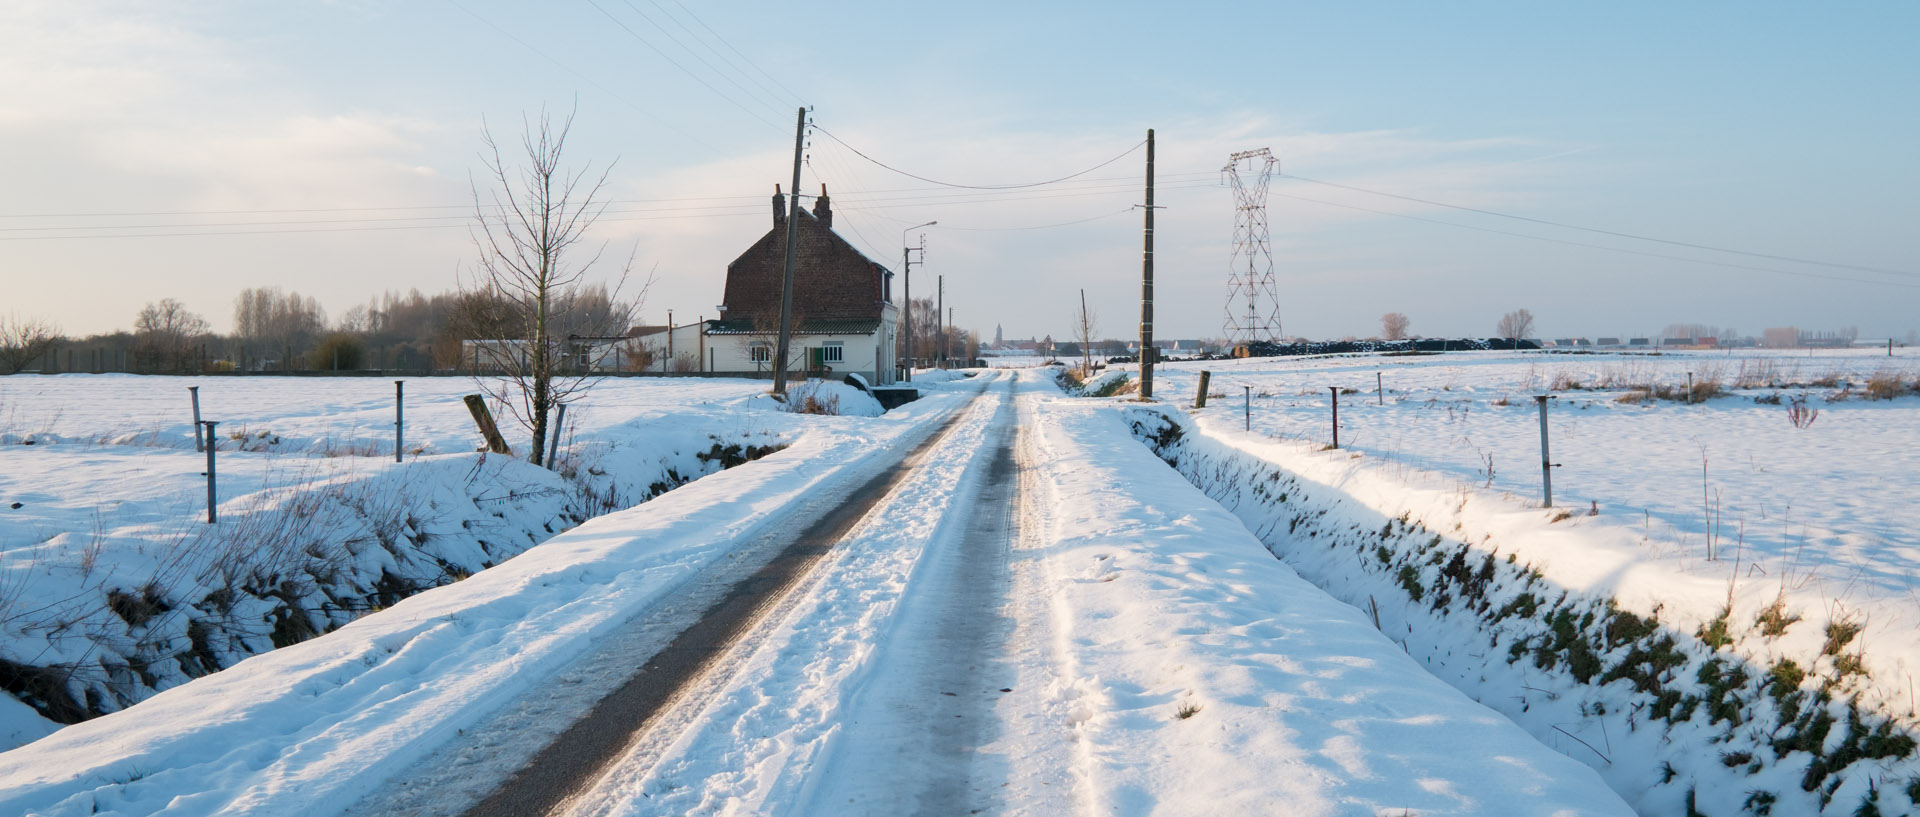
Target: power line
{"points": [[863, 155], [1039, 226], [657, 216], [1614, 233], [676, 63], [569, 69], [795, 98], [1595, 246], [933, 193], [696, 55], [748, 60]]}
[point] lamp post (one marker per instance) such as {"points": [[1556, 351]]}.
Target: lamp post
{"points": [[906, 271]]}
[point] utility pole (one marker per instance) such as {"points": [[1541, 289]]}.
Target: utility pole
{"points": [[786, 278], [940, 320], [906, 270], [1146, 288]]}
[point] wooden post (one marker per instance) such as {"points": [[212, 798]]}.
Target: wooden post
{"points": [[1200, 400], [198, 444], [477, 405], [1380, 388], [1146, 287], [1249, 407], [553, 440]]}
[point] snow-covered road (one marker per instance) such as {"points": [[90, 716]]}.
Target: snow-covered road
{"points": [[1037, 618]]}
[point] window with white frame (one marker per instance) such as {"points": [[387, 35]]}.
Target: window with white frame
{"points": [[760, 353], [833, 351]]}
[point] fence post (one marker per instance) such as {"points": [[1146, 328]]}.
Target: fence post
{"points": [[1689, 388], [1380, 388], [477, 406], [1249, 407], [553, 439], [1546, 457], [1200, 400], [198, 444], [1335, 390], [399, 418], [212, 493]]}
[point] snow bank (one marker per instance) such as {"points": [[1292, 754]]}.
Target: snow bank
{"points": [[309, 728], [1204, 677]]}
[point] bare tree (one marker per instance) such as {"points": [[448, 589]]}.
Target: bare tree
{"points": [[165, 334], [1085, 325], [921, 345], [283, 323], [529, 223], [24, 340], [1393, 326], [1516, 325]]}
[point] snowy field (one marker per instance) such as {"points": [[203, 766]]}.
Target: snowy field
{"points": [[1834, 502], [112, 586], [1786, 576]]}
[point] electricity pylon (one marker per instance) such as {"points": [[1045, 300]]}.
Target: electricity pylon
{"points": [[1253, 299]]}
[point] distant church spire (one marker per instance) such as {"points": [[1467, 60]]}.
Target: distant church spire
{"points": [[997, 339]]}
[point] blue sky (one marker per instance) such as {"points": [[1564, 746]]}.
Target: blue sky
{"points": [[1776, 129]]}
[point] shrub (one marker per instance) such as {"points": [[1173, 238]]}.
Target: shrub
{"points": [[812, 398], [339, 350], [1885, 385]]}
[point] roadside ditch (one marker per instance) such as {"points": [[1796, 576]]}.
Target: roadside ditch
{"points": [[295, 562], [1676, 721]]}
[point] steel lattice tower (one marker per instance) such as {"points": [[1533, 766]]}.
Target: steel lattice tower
{"points": [[1253, 299]]}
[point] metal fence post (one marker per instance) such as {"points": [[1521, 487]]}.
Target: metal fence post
{"points": [[399, 418], [1546, 457], [212, 494]]}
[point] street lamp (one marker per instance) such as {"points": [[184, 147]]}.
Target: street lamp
{"points": [[906, 271]]}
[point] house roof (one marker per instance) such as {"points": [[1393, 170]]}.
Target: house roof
{"points": [[831, 279], [810, 326]]}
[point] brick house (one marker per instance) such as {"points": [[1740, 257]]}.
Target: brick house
{"points": [[843, 317]]}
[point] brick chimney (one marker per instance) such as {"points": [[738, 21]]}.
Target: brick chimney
{"points": [[779, 206], [823, 209]]}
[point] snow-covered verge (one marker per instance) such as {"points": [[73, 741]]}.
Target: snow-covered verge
{"points": [[1717, 691], [1201, 676], [113, 587], [309, 728]]}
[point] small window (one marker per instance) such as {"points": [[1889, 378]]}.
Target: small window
{"points": [[760, 353], [833, 351]]}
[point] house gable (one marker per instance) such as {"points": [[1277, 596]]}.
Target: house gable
{"points": [[832, 281]]}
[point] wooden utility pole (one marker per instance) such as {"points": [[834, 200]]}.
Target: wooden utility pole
{"points": [[786, 278], [940, 321], [1146, 287]]}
